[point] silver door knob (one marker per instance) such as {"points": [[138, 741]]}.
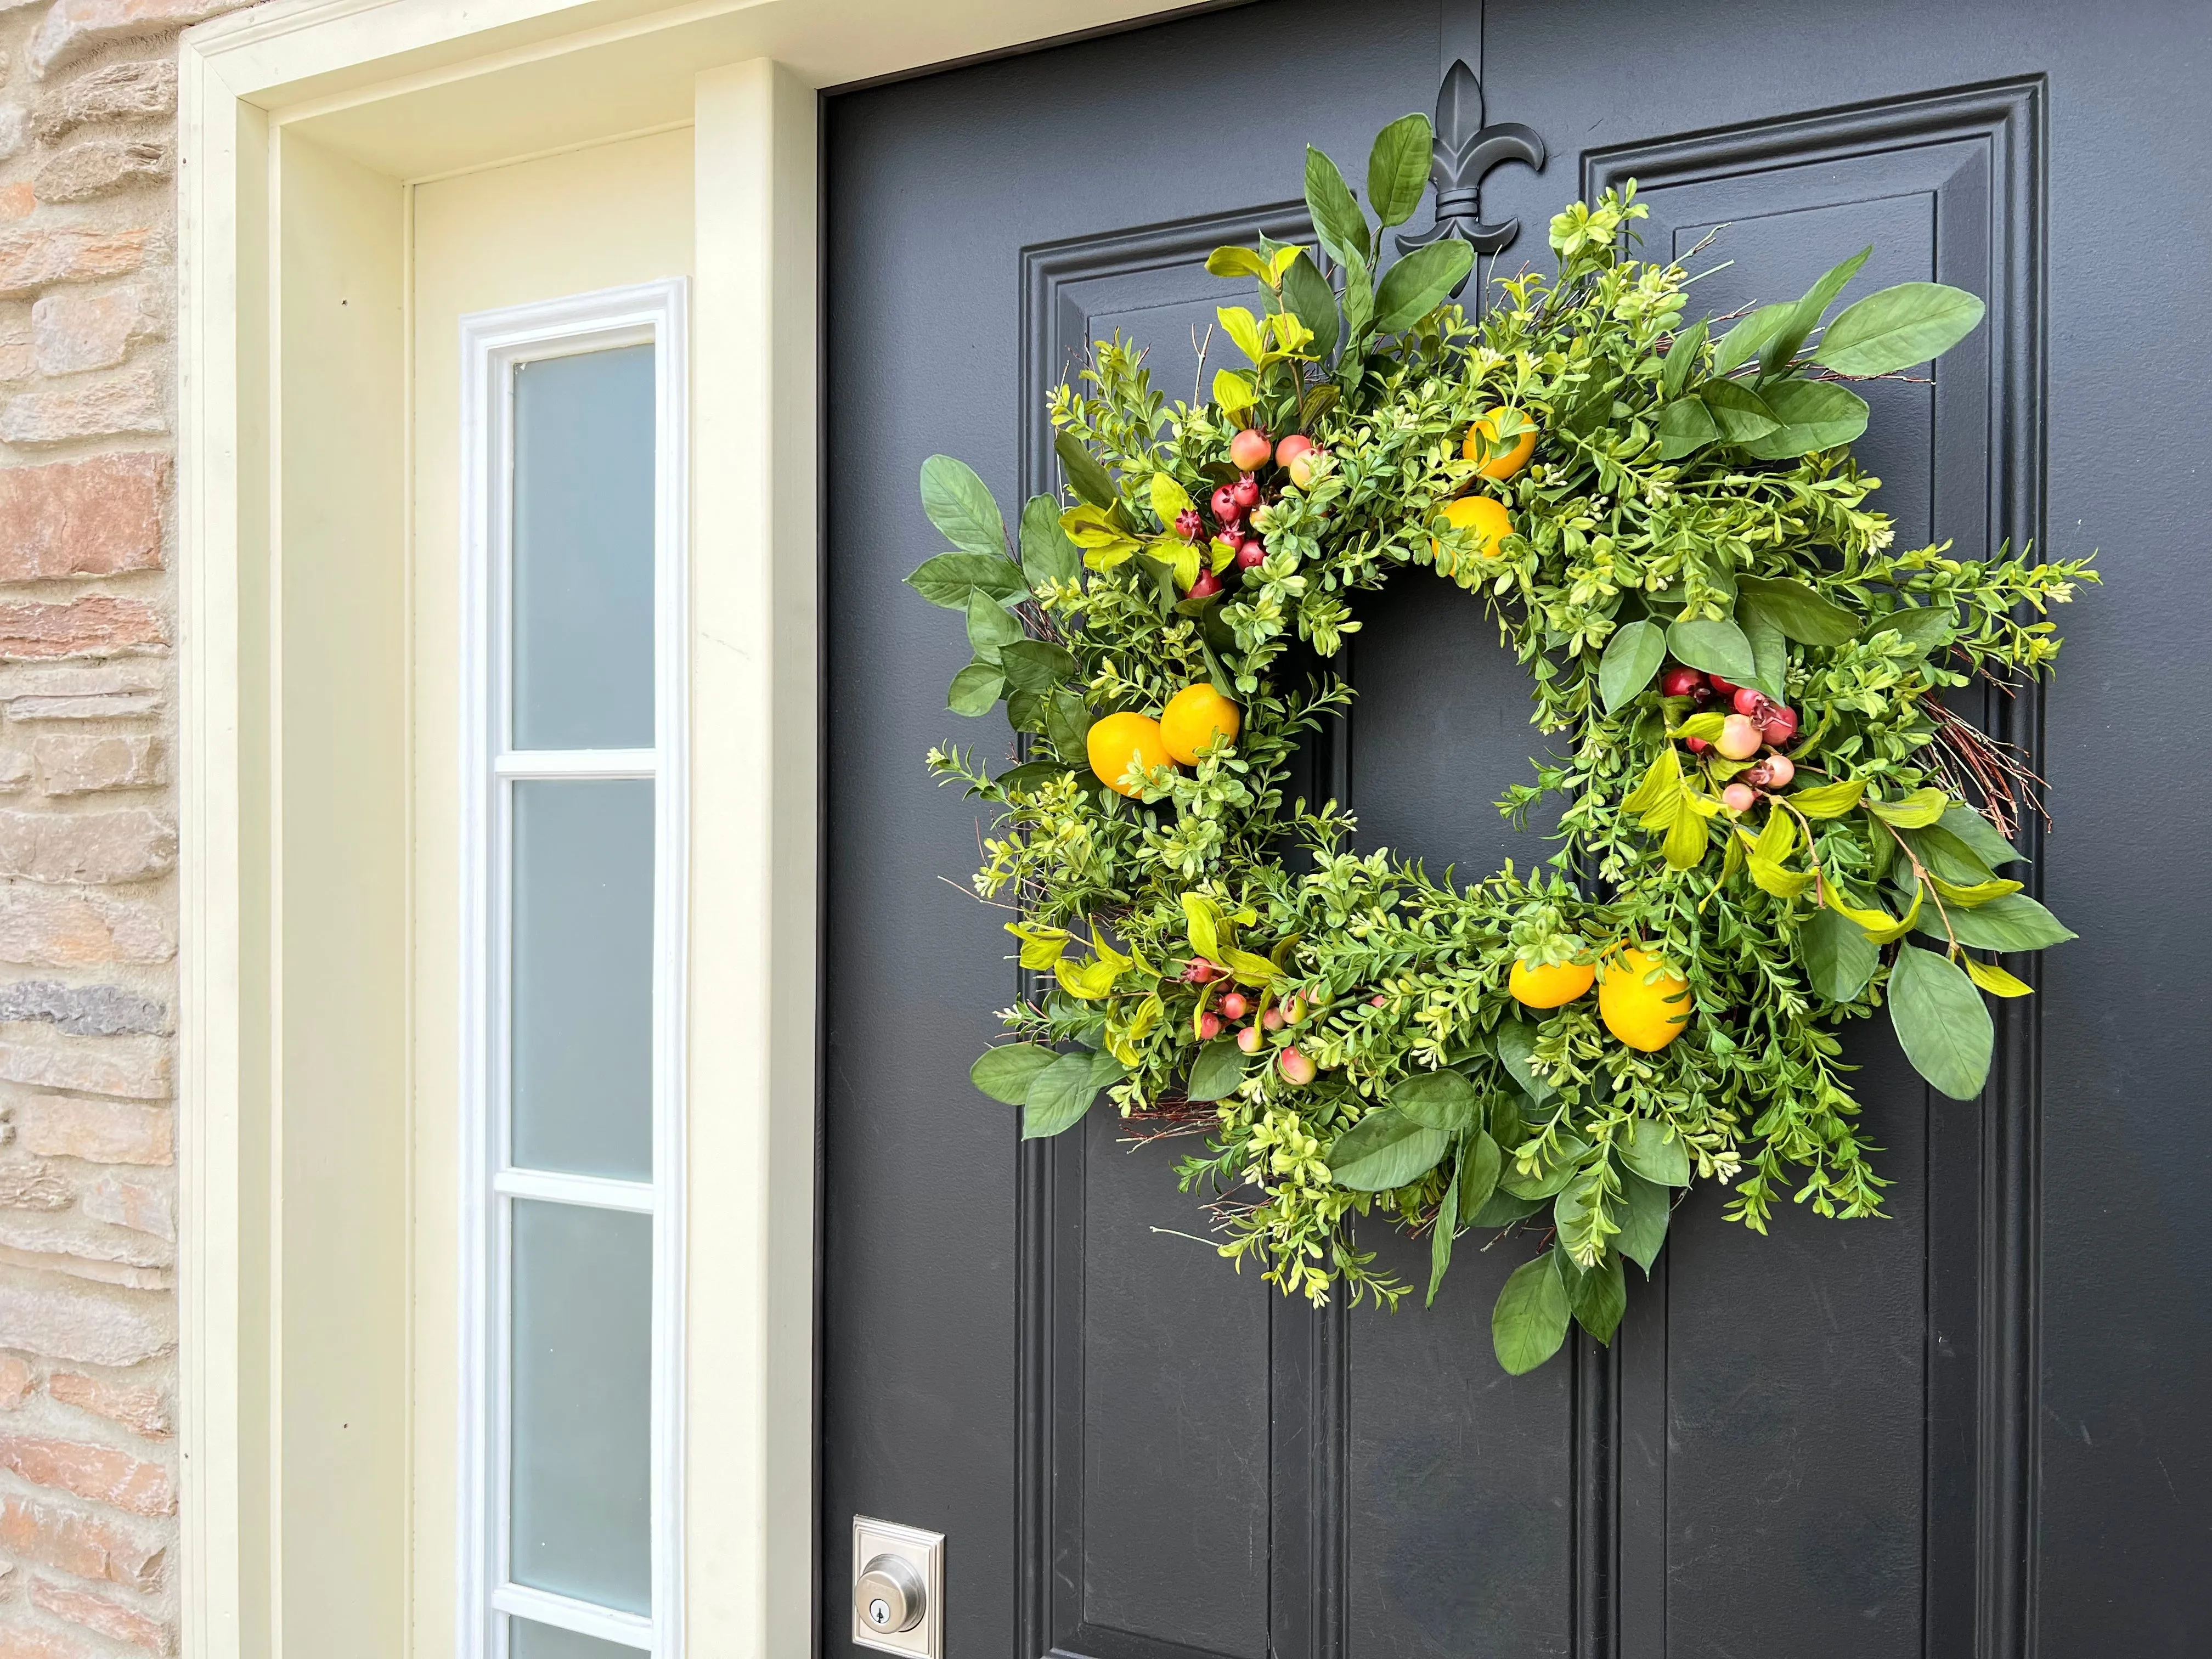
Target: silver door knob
{"points": [[888, 1595]]}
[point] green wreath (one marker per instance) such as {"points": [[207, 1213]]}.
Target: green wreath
{"points": [[1770, 824]]}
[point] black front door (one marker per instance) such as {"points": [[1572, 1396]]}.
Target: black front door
{"points": [[1974, 1429]]}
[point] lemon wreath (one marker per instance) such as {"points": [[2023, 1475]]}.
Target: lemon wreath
{"points": [[1770, 823]]}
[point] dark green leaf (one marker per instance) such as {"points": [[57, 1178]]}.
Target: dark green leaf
{"points": [[1898, 327], [1943, 853], [1685, 426], [1942, 1022], [1503, 1210], [1805, 316], [1549, 1178], [1815, 415], [1656, 1153], [1643, 1220], [950, 578], [1035, 664], [1516, 1041], [1631, 657], [1979, 836], [976, 690], [1769, 650], [1048, 556], [1084, 476], [1218, 1070], [1337, 220], [1062, 1093], [1025, 711], [1600, 1297], [1744, 342], [1358, 320], [1006, 1074], [1419, 283], [1839, 958], [1030, 774], [2015, 922], [1398, 169], [1740, 413], [1530, 1320], [989, 627], [1682, 360], [1716, 646], [1804, 615], [961, 507], [1067, 723], [1383, 1150], [1313, 302], [1440, 1238], [1437, 1100], [1480, 1160]]}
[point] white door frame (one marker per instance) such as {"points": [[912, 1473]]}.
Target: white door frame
{"points": [[303, 125]]}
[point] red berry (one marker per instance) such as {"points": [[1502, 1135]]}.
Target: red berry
{"points": [[1245, 492], [1751, 703], [1698, 745], [1205, 586], [1248, 1039], [1188, 524], [1726, 687], [1209, 1027], [1296, 1068], [1702, 695], [1225, 506], [1249, 552], [1249, 449], [1779, 726], [1292, 447], [1680, 681], [1233, 1006]]}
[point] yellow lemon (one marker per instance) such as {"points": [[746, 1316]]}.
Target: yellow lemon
{"points": [[1194, 718], [1117, 739], [1646, 1017], [1549, 987], [1482, 438], [1484, 516]]}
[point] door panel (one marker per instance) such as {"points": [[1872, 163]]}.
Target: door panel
{"points": [[1960, 1430]]}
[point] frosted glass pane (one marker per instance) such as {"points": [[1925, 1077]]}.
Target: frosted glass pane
{"points": [[583, 552], [528, 1641], [583, 1372], [583, 976]]}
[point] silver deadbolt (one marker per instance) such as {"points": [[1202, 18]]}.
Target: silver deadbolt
{"points": [[890, 1595]]}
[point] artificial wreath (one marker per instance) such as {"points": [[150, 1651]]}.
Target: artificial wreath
{"points": [[1770, 823]]}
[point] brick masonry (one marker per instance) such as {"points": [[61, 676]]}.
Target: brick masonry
{"points": [[87, 826]]}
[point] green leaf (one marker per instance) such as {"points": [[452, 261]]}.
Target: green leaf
{"points": [[1035, 664], [1600, 1297], [1218, 1070], [1530, 1320], [989, 627], [1829, 800], [1384, 1150], [1067, 723], [1025, 711], [1815, 415], [1740, 413], [1924, 627], [1359, 319], [1839, 957], [952, 579], [1235, 262], [1682, 360], [1516, 1043], [1503, 1210], [1048, 556], [1716, 646], [1643, 1220], [1804, 615], [2015, 922], [1548, 1178], [976, 690], [961, 507], [1084, 476], [1006, 1073], [1233, 392], [1805, 316], [1312, 302], [1972, 893], [1631, 657], [1440, 1238], [1894, 330], [1480, 1160], [1398, 169], [1922, 806], [1437, 1100], [1684, 427], [1943, 854], [1419, 283], [1203, 924], [1769, 650], [1337, 220], [1942, 1022], [1980, 835], [1030, 774], [1656, 1153], [1745, 340], [1063, 1092]]}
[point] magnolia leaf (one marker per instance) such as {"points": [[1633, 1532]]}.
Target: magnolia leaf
{"points": [[1829, 800], [1839, 957], [1804, 615], [1715, 646], [1006, 1073], [1655, 1152], [1645, 1210], [1886, 332], [1480, 1159], [1920, 808], [960, 505], [1685, 426], [1631, 657], [1218, 1070], [1063, 1092], [1035, 664], [1600, 1297], [1084, 476], [1980, 836], [1769, 649], [990, 628], [1682, 361], [1740, 413], [1309, 295], [1047, 554], [1813, 414], [1516, 1043], [1398, 169], [1805, 316], [1943, 1024], [1748, 337], [1419, 283], [1337, 220], [1385, 1150], [2015, 922], [1235, 262], [976, 690], [952, 579], [1437, 1100], [1530, 1320], [1440, 1238], [1503, 1210]]}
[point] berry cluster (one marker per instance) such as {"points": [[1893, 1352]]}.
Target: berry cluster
{"points": [[1758, 721], [1241, 508], [1227, 1013]]}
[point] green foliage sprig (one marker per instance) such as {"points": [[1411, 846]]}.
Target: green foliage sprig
{"points": [[1691, 498]]}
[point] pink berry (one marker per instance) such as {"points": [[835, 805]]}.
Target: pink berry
{"points": [[1249, 450], [1188, 524], [1245, 492], [1225, 506], [1209, 1027], [1248, 1039], [1273, 1019], [1200, 970], [1233, 1006], [1779, 726], [1751, 703], [1295, 1067], [1292, 447], [1739, 738], [1680, 681], [1378, 1002], [1780, 768], [1739, 797]]}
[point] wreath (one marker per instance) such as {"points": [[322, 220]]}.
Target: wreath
{"points": [[1770, 823]]}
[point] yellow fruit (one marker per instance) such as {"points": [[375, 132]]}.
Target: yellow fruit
{"points": [[1646, 1017], [1484, 516], [1195, 716], [1549, 987], [1483, 434], [1119, 739]]}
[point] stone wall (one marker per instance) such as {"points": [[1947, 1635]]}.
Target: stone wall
{"points": [[88, 827]]}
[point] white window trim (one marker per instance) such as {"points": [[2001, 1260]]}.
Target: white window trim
{"points": [[492, 343]]}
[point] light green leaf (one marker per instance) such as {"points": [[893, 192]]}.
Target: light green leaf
{"points": [[1748, 337], [1419, 283], [1920, 808], [1942, 1022], [1839, 957], [976, 690], [961, 507], [1815, 415], [1204, 920], [1047, 554], [2015, 922], [1006, 1073], [1398, 169], [1715, 646], [1972, 893], [1643, 1221], [1243, 330], [1233, 392], [1437, 1100], [1631, 657], [1530, 1320], [1218, 1070], [1805, 316], [1655, 1152], [1995, 979], [1385, 1150], [950, 579], [1337, 220], [1829, 800], [1898, 327], [1235, 262], [1682, 360]]}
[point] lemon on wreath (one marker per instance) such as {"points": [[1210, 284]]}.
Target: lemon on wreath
{"points": [[1482, 441], [1486, 517], [1118, 740], [1195, 718], [1552, 986], [1643, 1016]]}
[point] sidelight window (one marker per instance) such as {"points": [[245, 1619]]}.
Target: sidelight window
{"points": [[574, 515]]}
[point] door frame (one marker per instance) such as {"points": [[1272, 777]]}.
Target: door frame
{"points": [[303, 125]]}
